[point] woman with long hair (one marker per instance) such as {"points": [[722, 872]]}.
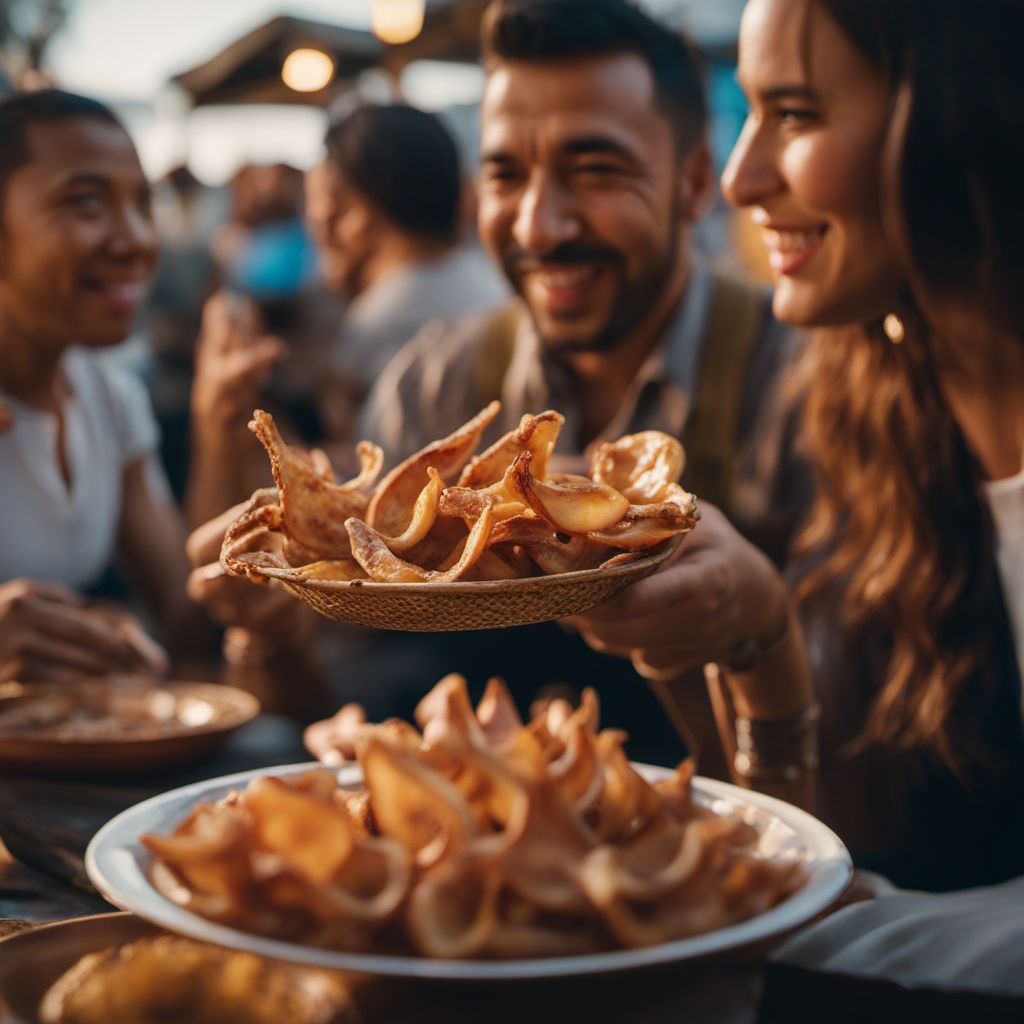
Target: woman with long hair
{"points": [[881, 159]]}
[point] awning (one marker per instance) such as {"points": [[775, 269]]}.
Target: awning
{"points": [[249, 69]]}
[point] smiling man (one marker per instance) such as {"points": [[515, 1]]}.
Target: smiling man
{"points": [[594, 169]]}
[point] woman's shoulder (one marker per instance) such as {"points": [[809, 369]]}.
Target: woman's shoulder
{"points": [[114, 400]]}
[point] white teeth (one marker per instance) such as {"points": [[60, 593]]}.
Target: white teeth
{"points": [[569, 278], [791, 241]]}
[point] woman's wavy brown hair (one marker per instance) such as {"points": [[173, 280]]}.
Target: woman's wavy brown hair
{"points": [[899, 511]]}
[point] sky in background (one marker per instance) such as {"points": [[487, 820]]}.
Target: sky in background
{"points": [[129, 48], [125, 51]]}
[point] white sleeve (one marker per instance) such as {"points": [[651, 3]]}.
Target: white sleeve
{"points": [[969, 941]]}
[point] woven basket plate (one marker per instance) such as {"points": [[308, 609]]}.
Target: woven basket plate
{"points": [[445, 607]]}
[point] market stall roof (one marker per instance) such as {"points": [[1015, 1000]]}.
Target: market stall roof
{"points": [[249, 69]]}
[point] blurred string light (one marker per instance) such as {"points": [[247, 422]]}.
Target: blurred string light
{"points": [[307, 70], [397, 21]]}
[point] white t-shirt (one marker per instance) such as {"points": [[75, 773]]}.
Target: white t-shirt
{"points": [[48, 530], [1006, 500]]}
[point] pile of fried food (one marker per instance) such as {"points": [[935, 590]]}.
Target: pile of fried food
{"points": [[167, 978], [479, 836], [444, 514]]}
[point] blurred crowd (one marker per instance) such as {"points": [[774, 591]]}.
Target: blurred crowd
{"points": [[852, 598]]}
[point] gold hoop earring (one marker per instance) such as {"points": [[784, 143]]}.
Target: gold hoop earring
{"points": [[894, 328]]}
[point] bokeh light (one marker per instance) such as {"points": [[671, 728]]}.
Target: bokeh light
{"points": [[307, 70]]}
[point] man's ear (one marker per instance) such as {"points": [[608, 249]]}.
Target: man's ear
{"points": [[696, 182], [355, 225]]}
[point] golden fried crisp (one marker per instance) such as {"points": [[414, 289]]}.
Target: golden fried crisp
{"points": [[477, 835], [535, 434], [424, 514], [174, 979], [552, 552], [332, 569], [371, 551], [313, 509], [570, 504], [643, 526], [389, 509], [641, 466]]}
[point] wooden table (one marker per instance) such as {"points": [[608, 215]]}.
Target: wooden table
{"points": [[46, 823]]}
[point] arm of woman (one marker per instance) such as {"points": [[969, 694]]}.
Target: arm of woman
{"points": [[151, 546], [50, 634], [720, 600]]}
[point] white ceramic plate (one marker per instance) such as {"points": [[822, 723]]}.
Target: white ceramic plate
{"points": [[118, 866]]}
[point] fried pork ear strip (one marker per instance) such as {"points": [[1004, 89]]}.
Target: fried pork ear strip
{"points": [[397, 492], [644, 526], [424, 515], [371, 551], [552, 553], [281, 855], [640, 466], [535, 434], [246, 541], [313, 509], [571, 504]]}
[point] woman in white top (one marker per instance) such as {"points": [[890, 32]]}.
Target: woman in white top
{"points": [[79, 486], [882, 159]]}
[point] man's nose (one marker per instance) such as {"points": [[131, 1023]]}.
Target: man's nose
{"points": [[546, 216]]}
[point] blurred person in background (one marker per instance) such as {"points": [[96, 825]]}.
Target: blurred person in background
{"points": [[186, 214], [81, 485], [266, 339], [385, 210], [595, 168], [390, 228]]}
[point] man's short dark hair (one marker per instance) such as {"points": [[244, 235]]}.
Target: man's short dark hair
{"points": [[549, 30], [404, 162], [20, 111]]}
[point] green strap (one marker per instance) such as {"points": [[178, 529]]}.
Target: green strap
{"points": [[495, 354], [710, 436]]}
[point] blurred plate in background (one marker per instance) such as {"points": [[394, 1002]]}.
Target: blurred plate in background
{"points": [[98, 727]]}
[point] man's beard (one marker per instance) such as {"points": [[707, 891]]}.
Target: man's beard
{"points": [[634, 302]]}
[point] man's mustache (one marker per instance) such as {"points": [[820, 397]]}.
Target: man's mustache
{"points": [[517, 259]]}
